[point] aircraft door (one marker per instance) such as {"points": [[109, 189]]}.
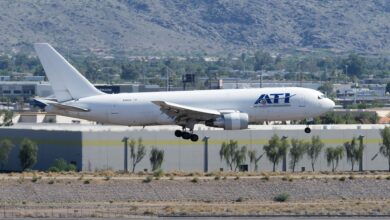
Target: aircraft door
{"points": [[302, 101], [113, 113], [302, 105]]}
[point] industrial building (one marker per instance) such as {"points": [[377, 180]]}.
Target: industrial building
{"points": [[98, 147]]}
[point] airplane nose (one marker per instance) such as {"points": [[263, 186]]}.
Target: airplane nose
{"points": [[329, 104]]}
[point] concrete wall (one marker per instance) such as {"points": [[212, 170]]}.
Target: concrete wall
{"points": [[101, 147], [51, 145], [105, 149]]}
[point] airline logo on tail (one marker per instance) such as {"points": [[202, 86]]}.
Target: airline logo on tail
{"points": [[274, 99]]}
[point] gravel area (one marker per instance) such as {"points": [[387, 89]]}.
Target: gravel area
{"points": [[300, 190]]}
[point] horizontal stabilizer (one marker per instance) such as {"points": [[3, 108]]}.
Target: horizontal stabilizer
{"points": [[42, 103]]}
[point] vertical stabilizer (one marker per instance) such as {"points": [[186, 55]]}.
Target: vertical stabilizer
{"points": [[66, 81]]}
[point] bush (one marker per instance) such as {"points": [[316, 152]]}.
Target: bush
{"points": [[61, 165], [388, 177], [217, 177], [266, 177], [35, 178], [148, 179], [281, 197], [87, 181], [239, 199], [158, 173], [342, 178], [51, 182], [195, 180]]}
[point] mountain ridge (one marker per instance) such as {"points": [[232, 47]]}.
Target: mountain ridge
{"points": [[189, 26]]}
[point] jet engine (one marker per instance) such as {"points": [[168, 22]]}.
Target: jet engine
{"points": [[230, 121]]}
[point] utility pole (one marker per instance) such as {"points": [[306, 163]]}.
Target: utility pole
{"points": [[126, 154], [206, 154], [284, 165], [167, 75], [361, 137]]}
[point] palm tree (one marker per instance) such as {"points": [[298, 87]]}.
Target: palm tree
{"points": [[276, 149], [254, 159], [137, 153], [385, 146], [354, 152], [297, 150], [333, 156], [156, 158], [314, 150], [233, 155]]}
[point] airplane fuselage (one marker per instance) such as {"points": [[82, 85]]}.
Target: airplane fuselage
{"points": [[262, 104]]}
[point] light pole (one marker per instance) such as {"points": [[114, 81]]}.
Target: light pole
{"points": [[260, 79], [206, 154], [126, 156], [361, 137], [346, 71], [284, 165]]}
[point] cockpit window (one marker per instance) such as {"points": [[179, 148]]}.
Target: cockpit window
{"points": [[321, 96]]}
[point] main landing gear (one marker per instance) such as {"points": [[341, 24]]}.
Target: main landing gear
{"points": [[186, 135]]}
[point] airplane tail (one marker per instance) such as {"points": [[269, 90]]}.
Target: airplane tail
{"points": [[66, 81]]}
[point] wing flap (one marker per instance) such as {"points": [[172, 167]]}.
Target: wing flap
{"points": [[183, 112]]}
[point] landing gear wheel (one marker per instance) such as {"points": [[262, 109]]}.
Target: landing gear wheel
{"points": [[186, 135], [178, 133], [307, 130], [194, 137]]}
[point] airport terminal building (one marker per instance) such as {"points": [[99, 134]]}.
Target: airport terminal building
{"points": [[98, 147]]}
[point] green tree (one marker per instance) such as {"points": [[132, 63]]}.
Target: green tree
{"points": [[233, 154], [254, 159], [385, 146], [314, 149], [388, 87], [263, 60], [355, 65], [28, 153], [327, 88], [7, 118], [297, 150], [353, 151], [156, 158], [6, 146], [137, 153], [333, 156], [276, 149]]}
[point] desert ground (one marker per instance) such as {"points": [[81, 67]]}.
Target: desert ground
{"points": [[109, 194]]}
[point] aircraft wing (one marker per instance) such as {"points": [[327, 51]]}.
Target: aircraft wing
{"points": [[182, 113]]}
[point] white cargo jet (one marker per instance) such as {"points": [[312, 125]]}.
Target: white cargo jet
{"points": [[227, 109]]}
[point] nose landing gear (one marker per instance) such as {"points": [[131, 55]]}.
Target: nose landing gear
{"points": [[186, 135], [308, 121]]}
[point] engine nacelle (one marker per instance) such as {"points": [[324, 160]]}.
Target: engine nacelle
{"points": [[230, 121]]}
